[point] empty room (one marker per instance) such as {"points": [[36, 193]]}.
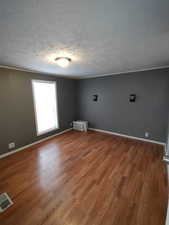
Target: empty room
{"points": [[84, 112]]}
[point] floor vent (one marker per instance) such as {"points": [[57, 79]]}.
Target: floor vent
{"points": [[5, 202]]}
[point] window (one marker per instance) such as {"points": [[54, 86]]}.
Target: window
{"points": [[44, 94]]}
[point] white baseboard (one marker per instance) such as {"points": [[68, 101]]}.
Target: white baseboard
{"points": [[64, 131], [127, 136], [34, 143]]}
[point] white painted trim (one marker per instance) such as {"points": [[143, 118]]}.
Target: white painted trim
{"points": [[84, 76], [88, 76], [34, 143], [127, 136], [35, 71], [166, 159], [99, 130]]}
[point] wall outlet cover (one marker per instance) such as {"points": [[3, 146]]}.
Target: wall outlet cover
{"points": [[11, 145], [146, 134]]}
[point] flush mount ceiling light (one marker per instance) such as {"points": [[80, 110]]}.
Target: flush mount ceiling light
{"points": [[63, 61]]}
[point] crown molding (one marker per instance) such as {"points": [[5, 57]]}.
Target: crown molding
{"points": [[85, 76], [35, 71], [123, 72]]}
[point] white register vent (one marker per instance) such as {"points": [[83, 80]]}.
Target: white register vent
{"points": [[80, 125], [5, 202]]}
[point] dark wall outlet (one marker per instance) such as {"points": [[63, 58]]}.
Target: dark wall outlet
{"points": [[132, 98], [95, 98]]}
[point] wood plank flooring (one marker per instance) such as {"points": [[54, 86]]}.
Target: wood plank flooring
{"points": [[86, 179]]}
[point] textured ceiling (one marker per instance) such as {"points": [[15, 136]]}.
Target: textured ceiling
{"points": [[101, 36]]}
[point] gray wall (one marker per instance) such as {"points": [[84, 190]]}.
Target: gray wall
{"points": [[113, 111], [17, 120]]}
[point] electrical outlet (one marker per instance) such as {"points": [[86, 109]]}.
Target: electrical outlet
{"points": [[11, 145], [146, 134]]}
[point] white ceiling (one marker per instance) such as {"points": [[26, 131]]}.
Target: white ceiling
{"points": [[101, 36]]}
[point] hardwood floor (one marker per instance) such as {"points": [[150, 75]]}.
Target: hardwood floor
{"points": [[86, 179]]}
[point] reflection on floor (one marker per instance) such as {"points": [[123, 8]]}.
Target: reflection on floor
{"points": [[86, 179]]}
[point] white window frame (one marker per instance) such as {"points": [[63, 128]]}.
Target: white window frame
{"points": [[34, 105]]}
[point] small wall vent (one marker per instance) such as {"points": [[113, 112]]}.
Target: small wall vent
{"points": [[5, 202]]}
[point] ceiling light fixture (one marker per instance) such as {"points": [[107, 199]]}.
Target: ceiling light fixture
{"points": [[63, 61]]}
